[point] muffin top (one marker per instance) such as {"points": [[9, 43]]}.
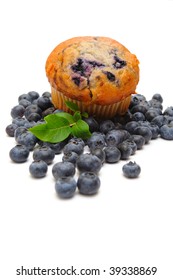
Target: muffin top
{"points": [[95, 70]]}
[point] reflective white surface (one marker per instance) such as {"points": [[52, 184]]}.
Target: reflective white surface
{"points": [[129, 223]]}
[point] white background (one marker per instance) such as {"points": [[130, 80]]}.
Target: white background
{"points": [[129, 223]]}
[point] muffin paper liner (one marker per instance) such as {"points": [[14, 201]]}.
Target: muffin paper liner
{"points": [[99, 111]]}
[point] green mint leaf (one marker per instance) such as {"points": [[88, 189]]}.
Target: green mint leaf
{"points": [[66, 116], [85, 114], [77, 116], [81, 130], [72, 106], [55, 130]]}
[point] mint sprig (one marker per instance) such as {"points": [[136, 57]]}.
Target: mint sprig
{"points": [[58, 127]]}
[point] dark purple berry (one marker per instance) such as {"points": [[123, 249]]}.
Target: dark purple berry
{"points": [[19, 153], [131, 170], [88, 183], [38, 169]]}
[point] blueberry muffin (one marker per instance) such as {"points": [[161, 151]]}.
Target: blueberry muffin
{"points": [[97, 73]]}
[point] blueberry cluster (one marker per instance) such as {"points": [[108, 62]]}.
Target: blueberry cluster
{"points": [[111, 141]]}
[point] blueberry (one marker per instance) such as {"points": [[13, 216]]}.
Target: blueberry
{"points": [[19, 153], [155, 104], [125, 150], [106, 125], [138, 116], [89, 162], [48, 111], [76, 140], [119, 63], [152, 113], [97, 140], [136, 99], [130, 126], [70, 157], [33, 95], [158, 97], [33, 108], [34, 117], [44, 102], [159, 120], [100, 154], [113, 154], [166, 131], [38, 169], [168, 111], [131, 170], [17, 111], [145, 132], [92, 123], [46, 94], [24, 102], [56, 147], [154, 130], [110, 76], [73, 147], [76, 80], [19, 121], [114, 137], [63, 169], [44, 153], [24, 96], [10, 129], [88, 183], [27, 139], [139, 140], [66, 187], [132, 145], [139, 108]]}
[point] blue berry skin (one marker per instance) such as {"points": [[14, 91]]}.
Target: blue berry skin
{"points": [[19, 130], [166, 132], [100, 154], [140, 108], [44, 153], [130, 126], [168, 111], [19, 154], [96, 141], [66, 187], [106, 126], [145, 132], [10, 129], [76, 140], [56, 147], [63, 169], [88, 183], [70, 157], [137, 99], [33, 95], [44, 102], [24, 96], [46, 94], [89, 162], [132, 145], [17, 111], [155, 104], [73, 147], [113, 154], [115, 137], [19, 121], [38, 169], [131, 170], [139, 140], [27, 139], [152, 113], [34, 117], [125, 150], [154, 130], [92, 123], [138, 116], [48, 111], [159, 120], [33, 108], [24, 102], [158, 97]]}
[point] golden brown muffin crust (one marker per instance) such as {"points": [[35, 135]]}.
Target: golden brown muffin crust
{"points": [[95, 70]]}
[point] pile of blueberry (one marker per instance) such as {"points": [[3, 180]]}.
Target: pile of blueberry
{"points": [[111, 141]]}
